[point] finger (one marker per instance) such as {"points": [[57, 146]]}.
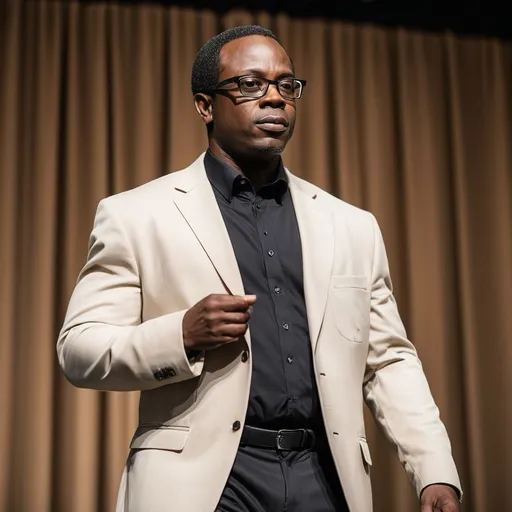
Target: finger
{"points": [[427, 507], [231, 331], [231, 303], [219, 341], [216, 302], [449, 506], [229, 339], [235, 317], [220, 337]]}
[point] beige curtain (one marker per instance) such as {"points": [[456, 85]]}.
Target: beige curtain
{"points": [[416, 127]]}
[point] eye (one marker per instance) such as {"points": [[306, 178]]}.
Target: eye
{"points": [[287, 85], [252, 84]]}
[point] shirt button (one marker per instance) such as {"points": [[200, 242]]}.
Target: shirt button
{"points": [[243, 181], [271, 253], [236, 426], [290, 360], [245, 356], [258, 207], [286, 327], [277, 290], [265, 233]]}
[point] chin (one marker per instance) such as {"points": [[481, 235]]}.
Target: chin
{"points": [[271, 150], [272, 147]]}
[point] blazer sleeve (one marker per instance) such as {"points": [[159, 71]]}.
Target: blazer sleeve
{"points": [[103, 343], [396, 389]]}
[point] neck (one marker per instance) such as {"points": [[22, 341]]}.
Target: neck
{"points": [[260, 171]]}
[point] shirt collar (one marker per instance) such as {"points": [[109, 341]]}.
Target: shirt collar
{"points": [[229, 182]]}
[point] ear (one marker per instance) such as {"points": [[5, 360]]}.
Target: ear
{"points": [[204, 106]]}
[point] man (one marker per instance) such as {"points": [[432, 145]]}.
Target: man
{"points": [[270, 417]]}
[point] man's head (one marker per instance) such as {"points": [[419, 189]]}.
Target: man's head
{"points": [[243, 120]]}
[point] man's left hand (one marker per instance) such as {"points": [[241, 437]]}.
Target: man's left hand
{"points": [[439, 498]]}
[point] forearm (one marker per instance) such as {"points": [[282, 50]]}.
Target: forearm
{"points": [[123, 358], [401, 402]]}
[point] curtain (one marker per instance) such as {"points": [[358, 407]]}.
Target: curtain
{"points": [[415, 127]]}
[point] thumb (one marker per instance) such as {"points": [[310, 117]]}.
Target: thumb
{"points": [[427, 507]]}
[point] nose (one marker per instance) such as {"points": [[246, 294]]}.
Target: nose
{"points": [[273, 97]]}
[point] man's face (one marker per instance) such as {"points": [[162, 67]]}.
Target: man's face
{"points": [[247, 126]]}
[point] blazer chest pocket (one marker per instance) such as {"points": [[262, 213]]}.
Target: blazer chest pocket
{"points": [[160, 437], [351, 305]]}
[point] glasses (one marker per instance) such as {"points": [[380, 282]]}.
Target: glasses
{"points": [[257, 87]]}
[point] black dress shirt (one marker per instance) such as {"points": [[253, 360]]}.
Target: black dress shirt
{"points": [[265, 237]]}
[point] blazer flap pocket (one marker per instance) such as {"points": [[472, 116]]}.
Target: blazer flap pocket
{"points": [[160, 437], [347, 281], [365, 450]]}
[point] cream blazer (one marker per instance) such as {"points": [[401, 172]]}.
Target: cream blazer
{"points": [[158, 249]]}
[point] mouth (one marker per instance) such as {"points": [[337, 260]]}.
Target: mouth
{"points": [[272, 123]]}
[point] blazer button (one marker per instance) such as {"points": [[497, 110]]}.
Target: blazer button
{"points": [[236, 426], [245, 356]]}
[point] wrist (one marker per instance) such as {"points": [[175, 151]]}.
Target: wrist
{"points": [[190, 349], [187, 342], [191, 354]]}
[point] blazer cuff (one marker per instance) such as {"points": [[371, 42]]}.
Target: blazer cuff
{"points": [[167, 358], [456, 489]]}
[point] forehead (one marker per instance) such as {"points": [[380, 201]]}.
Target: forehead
{"points": [[253, 53]]}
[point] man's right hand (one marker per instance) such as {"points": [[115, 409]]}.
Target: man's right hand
{"points": [[216, 320]]}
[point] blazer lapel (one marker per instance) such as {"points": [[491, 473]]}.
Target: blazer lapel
{"points": [[317, 241], [196, 201]]}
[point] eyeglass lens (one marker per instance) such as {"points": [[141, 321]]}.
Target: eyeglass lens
{"points": [[256, 87]]}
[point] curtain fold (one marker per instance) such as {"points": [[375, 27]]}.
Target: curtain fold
{"points": [[415, 127]]}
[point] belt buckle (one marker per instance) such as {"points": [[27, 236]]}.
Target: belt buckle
{"points": [[284, 430]]}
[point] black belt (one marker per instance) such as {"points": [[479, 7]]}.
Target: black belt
{"points": [[284, 439]]}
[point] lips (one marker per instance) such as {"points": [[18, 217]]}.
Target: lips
{"points": [[272, 119], [273, 123]]}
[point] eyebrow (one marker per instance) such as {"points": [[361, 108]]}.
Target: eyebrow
{"points": [[260, 72]]}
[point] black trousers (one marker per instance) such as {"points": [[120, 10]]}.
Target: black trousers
{"points": [[265, 480]]}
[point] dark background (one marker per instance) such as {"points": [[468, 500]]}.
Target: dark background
{"points": [[470, 17]]}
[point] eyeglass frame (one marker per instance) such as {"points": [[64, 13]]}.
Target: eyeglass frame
{"points": [[236, 80]]}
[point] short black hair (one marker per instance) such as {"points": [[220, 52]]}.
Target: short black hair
{"points": [[206, 68]]}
